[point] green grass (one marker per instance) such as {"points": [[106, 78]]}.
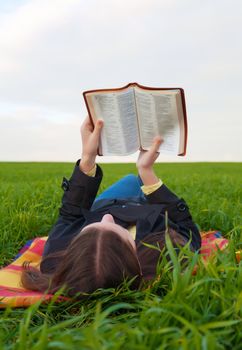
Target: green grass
{"points": [[181, 311]]}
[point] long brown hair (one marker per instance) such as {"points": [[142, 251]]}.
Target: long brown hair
{"points": [[97, 259], [94, 259], [150, 248]]}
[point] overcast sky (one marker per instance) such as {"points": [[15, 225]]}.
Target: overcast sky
{"points": [[53, 50]]}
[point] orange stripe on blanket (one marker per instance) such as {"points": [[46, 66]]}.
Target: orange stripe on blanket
{"points": [[22, 292], [25, 301], [28, 256]]}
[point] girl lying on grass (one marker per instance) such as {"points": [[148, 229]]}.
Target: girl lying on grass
{"points": [[97, 243]]}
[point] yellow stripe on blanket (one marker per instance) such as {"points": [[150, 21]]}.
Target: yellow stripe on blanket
{"points": [[11, 291]]}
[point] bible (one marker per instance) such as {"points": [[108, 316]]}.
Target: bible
{"points": [[134, 114]]}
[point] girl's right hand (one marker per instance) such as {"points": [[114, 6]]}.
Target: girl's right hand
{"points": [[90, 142]]}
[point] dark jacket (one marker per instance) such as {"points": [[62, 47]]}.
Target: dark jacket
{"points": [[79, 194]]}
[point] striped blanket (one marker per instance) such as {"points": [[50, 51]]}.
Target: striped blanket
{"points": [[14, 295]]}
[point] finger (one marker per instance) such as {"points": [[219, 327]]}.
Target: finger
{"points": [[88, 125], [156, 144], [158, 139], [98, 127]]}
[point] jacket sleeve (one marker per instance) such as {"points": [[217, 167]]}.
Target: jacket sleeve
{"points": [[178, 212], [79, 193]]}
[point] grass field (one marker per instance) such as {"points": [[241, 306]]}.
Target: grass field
{"points": [[181, 311]]}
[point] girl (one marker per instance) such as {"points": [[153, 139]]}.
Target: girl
{"points": [[99, 243]]}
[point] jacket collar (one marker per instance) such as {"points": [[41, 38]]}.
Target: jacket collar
{"points": [[143, 216]]}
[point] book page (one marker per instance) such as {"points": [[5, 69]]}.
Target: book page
{"points": [[120, 132], [157, 115]]}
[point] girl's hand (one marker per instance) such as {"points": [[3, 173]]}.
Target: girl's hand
{"points": [[90, 141], [146, 161]]}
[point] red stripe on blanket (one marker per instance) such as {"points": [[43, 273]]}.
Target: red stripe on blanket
{"points": [[11, 288], [9, 293], [13, 267], [38, 247], [20, 292]]}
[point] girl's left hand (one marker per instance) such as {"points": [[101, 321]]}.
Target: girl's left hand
{"points": [[147, 159], [90, 142]]}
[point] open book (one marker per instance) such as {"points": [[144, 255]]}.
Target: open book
{"points": [[134, 114]]}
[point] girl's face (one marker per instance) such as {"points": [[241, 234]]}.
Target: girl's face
{"points": [[107, 223]]}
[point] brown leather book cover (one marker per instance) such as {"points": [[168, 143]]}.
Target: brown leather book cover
{"points": [[149, 88]]}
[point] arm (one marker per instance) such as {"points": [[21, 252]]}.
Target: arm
{"points": [[144, 164], [177, 209], [79, 191]]}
